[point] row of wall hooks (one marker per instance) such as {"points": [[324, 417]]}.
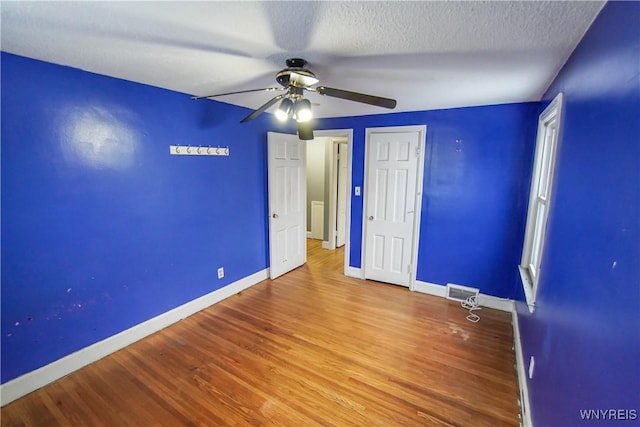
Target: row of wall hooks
{"points": [[199, 150]]}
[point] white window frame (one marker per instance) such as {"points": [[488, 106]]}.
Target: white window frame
{"points": [[540, 198]]}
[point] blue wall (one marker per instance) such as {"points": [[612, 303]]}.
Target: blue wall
{"points": [[475, 191], [103, 229], [585, 331]]}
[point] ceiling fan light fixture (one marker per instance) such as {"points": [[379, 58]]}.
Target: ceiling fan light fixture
{"points": [[302, 110], [285, 110]]}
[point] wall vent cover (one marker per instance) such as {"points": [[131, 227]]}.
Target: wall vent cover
{"points": [[460, 293]]}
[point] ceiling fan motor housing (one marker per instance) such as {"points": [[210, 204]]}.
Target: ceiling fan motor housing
{"points": [[295, 74], [296, 63]]}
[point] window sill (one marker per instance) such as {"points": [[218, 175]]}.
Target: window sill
{"points": [[527, 285]]}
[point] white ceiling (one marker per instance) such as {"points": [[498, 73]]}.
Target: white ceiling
{"points": [[427, 55]]}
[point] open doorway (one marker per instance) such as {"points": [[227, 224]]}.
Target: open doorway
{"points": [[328, 195]]}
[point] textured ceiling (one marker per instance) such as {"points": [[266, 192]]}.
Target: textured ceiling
{"points": [[427, 55]]}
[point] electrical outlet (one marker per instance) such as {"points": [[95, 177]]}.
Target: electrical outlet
{"points": [[532, 363], [220, 272]]}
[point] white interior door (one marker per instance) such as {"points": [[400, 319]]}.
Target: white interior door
{"points": [[341, 217], [287, 203], [392, 170]]}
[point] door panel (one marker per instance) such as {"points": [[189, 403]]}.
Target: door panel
{"points": [[400, 191], [392, 170], [397, 254], [287, 193]]}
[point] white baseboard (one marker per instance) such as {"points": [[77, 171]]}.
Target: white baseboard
{"points": [[308, 235], [489, 301], [429, 288], [353, 272], [326, 245], [525, 408], [502, 304], [34, 380]]}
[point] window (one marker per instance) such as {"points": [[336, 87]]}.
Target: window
{"points": [[539, 198]]}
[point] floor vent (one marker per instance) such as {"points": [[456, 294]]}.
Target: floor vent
{"points": [[460, 293]]}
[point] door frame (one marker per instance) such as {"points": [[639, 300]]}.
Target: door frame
{"points": [[348, 134], [415, 239]]}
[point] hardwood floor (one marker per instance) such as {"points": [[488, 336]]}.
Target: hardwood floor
{"points": [[312, 347]]}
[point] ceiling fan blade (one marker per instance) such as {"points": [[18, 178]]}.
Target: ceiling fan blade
{"points": [[357, 97], [266, 89], [263, 108], [305, 131]]}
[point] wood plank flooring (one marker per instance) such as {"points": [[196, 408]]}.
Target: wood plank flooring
{"points": [[312, 347]]}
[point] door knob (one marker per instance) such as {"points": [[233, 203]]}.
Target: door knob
{"points": [[274, 216], [371, 218]]}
